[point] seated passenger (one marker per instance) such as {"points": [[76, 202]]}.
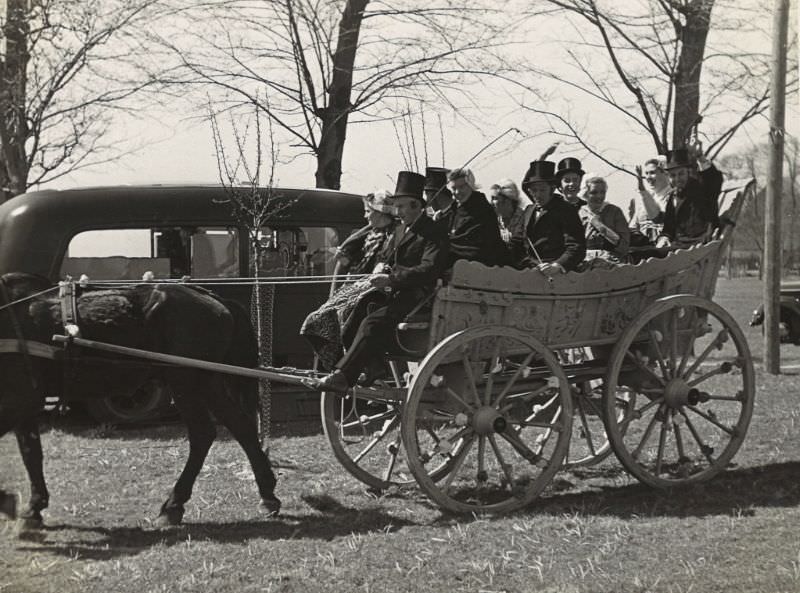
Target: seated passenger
{"points": [[692, 212], [647, 220], [471, 223], [510, 215], [417, 262], [606, 230], [569, 176], [554, 241], [333, 325], [437, 194]]}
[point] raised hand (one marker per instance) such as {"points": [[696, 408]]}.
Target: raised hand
{"points": [[639, 178]]}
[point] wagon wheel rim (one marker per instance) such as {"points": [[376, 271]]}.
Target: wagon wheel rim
{"points": [[690, 366], [589, 444], [363, 430], [502, 421]]}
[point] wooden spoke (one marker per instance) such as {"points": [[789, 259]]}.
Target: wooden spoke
{"points": [[513, 439], [638, 413], [687, 351], [481, 458], [713, 345], [705, 345], [659, 356], [394, 450], [391, 425], [704, 449], [586, 429], [493, 362], [501, 460], [369, 419], [514, 378], [712, 420], [471, 378], [673, 343], [662, 440], [722, 369], [457, 397], [678, 438], [646, 435], [643, 368], [528, 396], [459, 461]]}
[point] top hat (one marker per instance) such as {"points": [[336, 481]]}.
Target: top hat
{"points": [[410, 185], [677, 158], [569, 165], [435, 178], [539, 171]]}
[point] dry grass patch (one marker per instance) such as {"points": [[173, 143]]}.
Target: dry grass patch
{"points": [[595, 530]]}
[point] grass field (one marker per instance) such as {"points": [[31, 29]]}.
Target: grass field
{"points": [[595, 530]]}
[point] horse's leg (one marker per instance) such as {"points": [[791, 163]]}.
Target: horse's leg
{"points": [[19, 406], [30, 446], [201, 435], [229, 409]]}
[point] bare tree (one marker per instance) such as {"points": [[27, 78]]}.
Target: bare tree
{"points": [[668, 65], [328, 64], [66, 68], [751, 162]]}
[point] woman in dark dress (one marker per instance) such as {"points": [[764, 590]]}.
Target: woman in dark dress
{"points": [[331, 328]]}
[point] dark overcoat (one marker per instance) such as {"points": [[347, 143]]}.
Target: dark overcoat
{"points": [[693, 209], [556, 233], [474, 232]]}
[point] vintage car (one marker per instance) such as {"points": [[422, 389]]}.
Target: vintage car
{"points": [[789, 324], [121, 233]]}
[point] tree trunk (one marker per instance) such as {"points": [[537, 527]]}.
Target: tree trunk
{"points": [[13, 86], [335, 115], [693, 36]]}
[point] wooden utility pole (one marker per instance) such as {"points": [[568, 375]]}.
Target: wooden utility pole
{"points": [[772, 213]]}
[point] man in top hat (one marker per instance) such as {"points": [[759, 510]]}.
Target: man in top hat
{"points": [[554, 240], [437, 193], [418, 261], [692, 211], [471, 223], [569, 176]]}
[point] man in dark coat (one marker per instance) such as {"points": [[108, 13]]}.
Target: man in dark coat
{"points": [[437, 193], [692, 211], [471, 223], [554, 240], [418, 261]]}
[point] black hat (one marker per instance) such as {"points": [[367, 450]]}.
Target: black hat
{"points": [[539, 171], [435, 178], [410, 185], [569, 165], [677, 158]]}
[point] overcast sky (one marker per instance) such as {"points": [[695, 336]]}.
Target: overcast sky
{"points": [[176, 148]]}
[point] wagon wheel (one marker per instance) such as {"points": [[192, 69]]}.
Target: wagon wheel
{"points": [[363, 429], [589, 444], [690, 366], [495, 404]]}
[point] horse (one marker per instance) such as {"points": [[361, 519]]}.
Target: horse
{"points": [[169, 318]]}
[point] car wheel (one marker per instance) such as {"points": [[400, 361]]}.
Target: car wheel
{"points": [[150, 401]]}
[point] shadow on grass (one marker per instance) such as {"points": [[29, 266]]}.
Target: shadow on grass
{"points": [[331, 520], [735, 492]]}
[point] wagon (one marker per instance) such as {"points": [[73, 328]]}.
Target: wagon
{"points": [[514, 375]]}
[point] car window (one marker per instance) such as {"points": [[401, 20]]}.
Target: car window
{"points": [[296, 251], [113, 254], [164, 252]]}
